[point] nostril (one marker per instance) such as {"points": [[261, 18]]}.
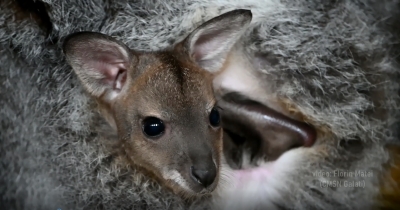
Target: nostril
{"points": [[195, 174], [203, 177]]}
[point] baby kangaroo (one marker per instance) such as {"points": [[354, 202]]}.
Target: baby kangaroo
{"points": [[161, 103]]}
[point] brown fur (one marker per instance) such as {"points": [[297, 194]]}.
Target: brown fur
{"points": [[187, 88], [173, 86], [131, 86]]}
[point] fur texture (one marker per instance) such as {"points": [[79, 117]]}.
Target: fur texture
{"points": [[333, 59]]}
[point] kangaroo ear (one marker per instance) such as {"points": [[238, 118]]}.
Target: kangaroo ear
{"points": [[100, 62], [210, 43]]}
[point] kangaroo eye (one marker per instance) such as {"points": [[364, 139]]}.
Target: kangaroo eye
{"points": [[214, 117], [153, 127]]}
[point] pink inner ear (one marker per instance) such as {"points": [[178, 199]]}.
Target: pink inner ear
{"points": [[112, 68], [205, 44]]}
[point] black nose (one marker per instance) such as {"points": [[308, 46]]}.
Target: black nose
{"points": [[203, 176]]}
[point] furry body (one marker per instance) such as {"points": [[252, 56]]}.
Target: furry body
{"points": [[333, 60]]}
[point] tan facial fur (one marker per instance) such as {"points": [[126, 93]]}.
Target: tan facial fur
{"points": [[167, 94], [184, 110]]}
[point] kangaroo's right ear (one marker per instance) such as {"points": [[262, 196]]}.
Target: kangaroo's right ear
{"points": [[210, 44], [100, 62]]}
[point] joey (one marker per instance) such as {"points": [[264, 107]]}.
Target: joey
{"points": [[162, 104]]}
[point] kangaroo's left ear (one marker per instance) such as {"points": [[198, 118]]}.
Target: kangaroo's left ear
{"points": [[210, 43], [100, 62]]}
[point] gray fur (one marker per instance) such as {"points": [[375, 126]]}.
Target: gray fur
{"points": [[54, 151]]}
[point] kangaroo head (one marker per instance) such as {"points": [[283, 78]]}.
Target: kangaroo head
{"points": [[161, 103]]}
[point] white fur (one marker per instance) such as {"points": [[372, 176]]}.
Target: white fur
{"points": [[176, 177], [260, 187]]}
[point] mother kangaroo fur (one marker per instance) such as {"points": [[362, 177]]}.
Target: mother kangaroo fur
{"points": [[337, 60]]}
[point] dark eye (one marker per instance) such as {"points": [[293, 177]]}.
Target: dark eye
{"points": [[214, 117], [153, 127]]}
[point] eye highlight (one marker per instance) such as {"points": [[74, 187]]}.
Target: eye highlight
{"points": [[214, 117], [153, 127]]}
